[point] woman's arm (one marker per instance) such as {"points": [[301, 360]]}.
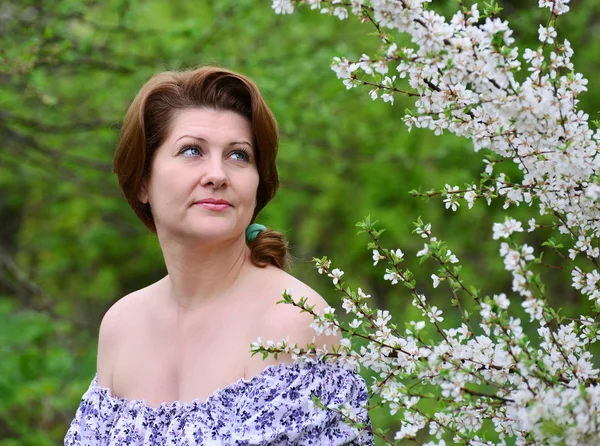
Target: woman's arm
{"points": [[109, 337]]}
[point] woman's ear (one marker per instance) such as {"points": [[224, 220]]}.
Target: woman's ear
{"points": [[143, 193]]}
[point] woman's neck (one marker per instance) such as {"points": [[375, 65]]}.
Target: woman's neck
{"points": [[200, 272]]}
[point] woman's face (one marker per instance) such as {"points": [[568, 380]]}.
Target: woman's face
{"points": [[203, 179]]}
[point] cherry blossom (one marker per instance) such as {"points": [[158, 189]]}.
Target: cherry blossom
{"points": [[534, 381]]}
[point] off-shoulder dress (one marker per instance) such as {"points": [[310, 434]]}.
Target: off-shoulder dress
{"points": [[274, 407]]}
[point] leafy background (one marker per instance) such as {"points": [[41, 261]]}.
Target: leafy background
{"points": [[69, 244]]}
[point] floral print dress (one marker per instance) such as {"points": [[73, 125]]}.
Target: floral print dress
{"points": [[274, 407]]}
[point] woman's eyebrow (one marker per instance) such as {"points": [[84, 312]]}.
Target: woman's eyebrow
{"points": [[199, 138], [240, 142]]}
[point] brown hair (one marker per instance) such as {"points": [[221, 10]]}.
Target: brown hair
{"points": [[147, 125]]}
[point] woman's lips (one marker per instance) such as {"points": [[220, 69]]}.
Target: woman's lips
{"points": [[214, 204]]}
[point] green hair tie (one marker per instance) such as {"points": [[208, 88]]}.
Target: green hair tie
{"points": [[253, 230]]}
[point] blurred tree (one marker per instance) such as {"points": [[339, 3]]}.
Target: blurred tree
{"points": [[70, 246]]}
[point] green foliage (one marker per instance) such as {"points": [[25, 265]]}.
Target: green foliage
{"points": [[69, 244]]}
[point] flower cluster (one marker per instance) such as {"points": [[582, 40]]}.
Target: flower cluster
{"points": [[488, 374]]}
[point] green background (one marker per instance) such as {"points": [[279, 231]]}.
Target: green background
{"points": [[69, 244]]}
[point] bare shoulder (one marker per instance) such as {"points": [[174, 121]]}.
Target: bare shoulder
{"points": [[115, 325], [113, 319], [286, 320]]}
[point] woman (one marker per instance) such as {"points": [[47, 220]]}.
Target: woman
{"points": [[196, 162]]}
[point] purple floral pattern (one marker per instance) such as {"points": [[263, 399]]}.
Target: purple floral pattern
{"points": [[273, 408]]}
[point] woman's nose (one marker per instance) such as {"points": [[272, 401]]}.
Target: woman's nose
{"points": [[215, 174]]}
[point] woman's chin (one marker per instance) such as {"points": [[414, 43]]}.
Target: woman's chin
{"points": [[213, 234], [202, 231]]}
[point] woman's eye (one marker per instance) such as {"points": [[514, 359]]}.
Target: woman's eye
{"points": [[190, 151], [240, 155]]}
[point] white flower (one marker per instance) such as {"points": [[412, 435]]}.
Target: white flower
{"points": [[388, 82], [392, 50], [436, 280], [527, 253], [489, 167], [451, 199], [435, 315], [546, 35], [534, 307], [336, 274], [350, 83], [392, 276], [340, 13], [355, 324], [322, 267], [583, 243], [348, 305], [420, 325], [556, 6], [362, 295], [504, 230], [380, 66], [470, 197], [388, 97], [451, 257], [319, 325], [501, 301], [398, 254], [435, 443], [328, 310], [283, 6], [314, 4], [256, 345], [424, 231], [382, 318], [377, 257], [343, 68], [423, 251], [578, 278], [486, 311]]}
